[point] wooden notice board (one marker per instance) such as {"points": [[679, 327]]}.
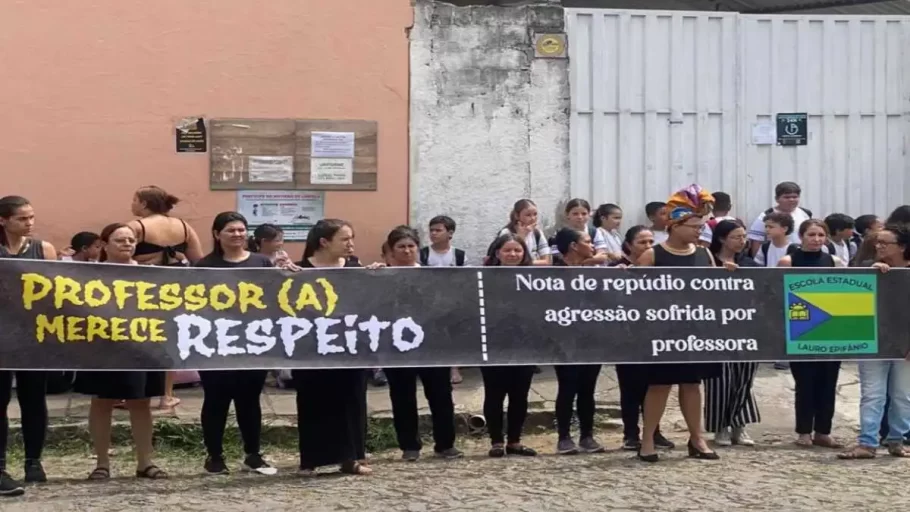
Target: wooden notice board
{"points": [[234, 141]]}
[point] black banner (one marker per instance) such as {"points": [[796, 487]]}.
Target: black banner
{"points": [[62, 315]]}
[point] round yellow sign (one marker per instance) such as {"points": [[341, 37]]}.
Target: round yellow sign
{"points": [[549, 45]]}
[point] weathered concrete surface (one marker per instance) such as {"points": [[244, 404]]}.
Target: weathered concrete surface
{"points": [[484, 110], [774, 390]]}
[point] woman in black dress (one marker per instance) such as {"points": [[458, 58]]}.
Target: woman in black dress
{"points": [[816, 381], [134, 388], [687, 210], [730, 404], [331, 404]]}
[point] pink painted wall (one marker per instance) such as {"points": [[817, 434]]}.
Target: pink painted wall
{"points": [[90, 91]]}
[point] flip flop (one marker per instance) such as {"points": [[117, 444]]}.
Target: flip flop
{"points": [[99, 474], [152, 472]]}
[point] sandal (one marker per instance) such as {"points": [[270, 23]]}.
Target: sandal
{"points": [[897, 449], [497, 451], [857, 453], [355, 468], [827, 442], [152, 472], [520, 449], [99, 474]]}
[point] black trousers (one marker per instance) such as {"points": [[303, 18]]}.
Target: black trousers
{"points": [[816, 390], [221, 387], [31, 392], [633, 386], [498, 383], [437, 387], [576, 383]]}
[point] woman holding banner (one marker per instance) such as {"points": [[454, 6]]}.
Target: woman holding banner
{"points": [[404, 247], [687, 210], [331, 404], [17, 221], [133, 388], [576, 382], [501, 381], [243, 387]]}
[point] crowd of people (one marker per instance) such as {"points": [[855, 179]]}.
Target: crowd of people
{"points": [[693, 228]]}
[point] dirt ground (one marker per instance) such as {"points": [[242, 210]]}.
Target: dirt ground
{"points": [[773, 476]]}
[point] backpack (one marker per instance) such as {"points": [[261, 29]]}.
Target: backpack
{"points": [[767, 245], [852, 249], [425, 257], [807, 211]]}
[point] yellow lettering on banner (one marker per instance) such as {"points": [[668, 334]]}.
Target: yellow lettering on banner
{"points": [[30, 291], [215, 297], [169, 295], [121, 292], [307, 297], [156, 330], [97, 328], [45, 326], [66, 289], [74, 328], [284, 302], [118, 329], [331, 298], [143, 299], [94, 287], [250, 295], [138, 326], [194, 297]]}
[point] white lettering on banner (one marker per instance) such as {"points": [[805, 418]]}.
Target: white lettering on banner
{"points": [[695, 344], [193, 331], [527, 282]]}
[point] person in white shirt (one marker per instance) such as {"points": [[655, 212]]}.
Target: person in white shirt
{"points": [[607, 220], [657, 214], [578, 212], [840, 241], [778, 227], [440, 252], [84, 246], [787, 195], [723, 204], [523, 222]]}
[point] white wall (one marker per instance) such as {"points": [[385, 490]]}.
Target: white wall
{"points": [[489, 122], [664, 99]]}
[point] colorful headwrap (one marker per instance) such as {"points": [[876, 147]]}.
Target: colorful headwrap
{"points": [[688, 202]]}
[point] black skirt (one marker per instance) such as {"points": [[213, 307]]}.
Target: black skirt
{"points": [[331, 416], [667, 374], [129, 385]]}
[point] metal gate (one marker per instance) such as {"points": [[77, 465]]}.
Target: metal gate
{"points": [[662, 99]]}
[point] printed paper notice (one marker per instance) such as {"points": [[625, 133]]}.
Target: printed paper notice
{"points": [[294, 211], [271, 169], [764, 133], [332, 145], [331, 171]]}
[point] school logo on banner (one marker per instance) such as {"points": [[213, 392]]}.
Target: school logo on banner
{"points": [[831, 314]]}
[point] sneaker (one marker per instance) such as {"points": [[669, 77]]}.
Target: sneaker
{"points": [[451, 453], [590, 445], [34, 472], [410, 455], [723, 438], [379, 379], [254, 463], [566, 447], [216, 465], [662, 443], [741, 437], [632, 444], [10, 487]]}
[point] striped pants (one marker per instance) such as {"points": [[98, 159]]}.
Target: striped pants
{"points": [[729, 401]]}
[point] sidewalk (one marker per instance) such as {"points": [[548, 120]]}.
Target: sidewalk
{"points": [[773, 389]]}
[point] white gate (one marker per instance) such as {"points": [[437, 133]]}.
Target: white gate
{"points": [[662, 99]]}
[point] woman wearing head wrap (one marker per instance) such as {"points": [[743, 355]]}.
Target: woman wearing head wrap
{"points": [[686, 212]]}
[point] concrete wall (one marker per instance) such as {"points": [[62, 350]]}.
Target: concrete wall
{"points": [[91, 89], [489, 122]]}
